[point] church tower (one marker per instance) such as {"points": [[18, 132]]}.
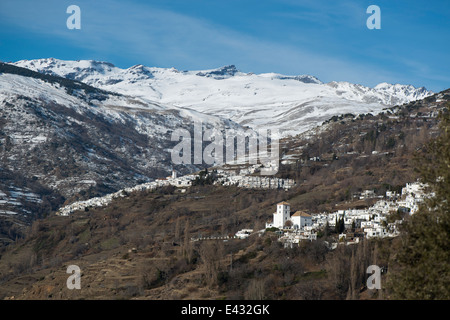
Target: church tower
{"points": [[282, 215]]}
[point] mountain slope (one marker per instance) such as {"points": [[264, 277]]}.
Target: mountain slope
{"points": [[290, 104], [62, 140], [138, 247], [72, 130]]}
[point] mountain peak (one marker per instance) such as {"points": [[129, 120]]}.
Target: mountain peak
{"points": [[140, 71], [219, 73], [407, 90], [302, 78], [290, 103]]}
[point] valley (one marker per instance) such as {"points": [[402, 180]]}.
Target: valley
{"points": [[139, 245]]}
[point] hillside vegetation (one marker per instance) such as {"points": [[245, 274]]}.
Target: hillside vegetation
{"points": [[140, 246]]}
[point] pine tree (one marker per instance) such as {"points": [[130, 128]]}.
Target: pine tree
{"points": [[422, 268]]}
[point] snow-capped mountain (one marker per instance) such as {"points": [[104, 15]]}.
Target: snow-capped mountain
{"points": [[73, 130], [290, 104], [61, 139]]}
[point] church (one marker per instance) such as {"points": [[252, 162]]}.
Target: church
{"points": [[298, 220]]}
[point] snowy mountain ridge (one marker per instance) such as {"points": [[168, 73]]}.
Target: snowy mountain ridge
{"points": [[290, 104], [61, 141]]}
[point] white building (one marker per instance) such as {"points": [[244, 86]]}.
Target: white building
{"points": [[281, 216], [367, 194], [244, 233], [414, 188], [376, 232], [391, 195], [301, 220]]}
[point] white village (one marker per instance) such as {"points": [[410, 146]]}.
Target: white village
{"points": [[293, 227], [371, 222], [242, 178]]}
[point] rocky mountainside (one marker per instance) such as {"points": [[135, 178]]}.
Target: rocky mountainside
{"points": [[138, 246], [62, 140], [73, 130], [291, 104]]}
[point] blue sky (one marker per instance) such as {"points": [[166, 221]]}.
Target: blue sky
{"points": [[327, 39]]}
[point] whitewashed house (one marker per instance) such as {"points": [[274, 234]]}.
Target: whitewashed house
{"points": [[367, 224], [301, 220], [244, 233], [376, 232], [391, 195], [367, 194]]}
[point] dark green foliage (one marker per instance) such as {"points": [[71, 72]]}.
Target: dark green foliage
{"points": [[422, 269], [340, 226], [205, 178]]}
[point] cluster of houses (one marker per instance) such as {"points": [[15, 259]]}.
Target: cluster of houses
{"points": [[184, 181], [225, 177], [292, 229], [369, 222], [253, 181]]}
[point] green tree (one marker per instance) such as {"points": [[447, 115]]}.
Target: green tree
{"points": [[422, 266], [340, 225]]}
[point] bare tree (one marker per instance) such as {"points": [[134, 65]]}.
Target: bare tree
{"points": [[177, 230], [211, 254], [255, 290], [288, 224], [187, 245], [338, 269], [310, 290], [354, 278]]}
